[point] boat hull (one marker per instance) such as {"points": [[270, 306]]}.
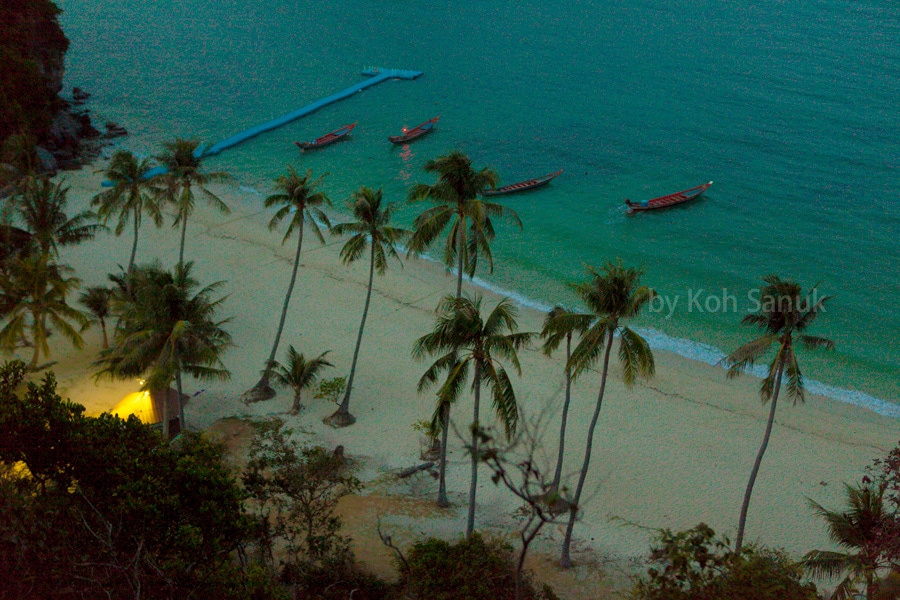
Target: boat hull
{"points": [[523, 186], [414, 133], [669, 200], [327, 139]]}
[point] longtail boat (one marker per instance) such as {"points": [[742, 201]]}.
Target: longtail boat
{"points": [[528, 184], [414, 133], [328, 138], [667, 201]]}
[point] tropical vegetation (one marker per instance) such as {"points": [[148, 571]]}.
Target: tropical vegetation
{"points": [[612, 295], [299, 374], [298, 200], [167, 327], [182, 160], [464, 340], [785, 313], [372, 231]]}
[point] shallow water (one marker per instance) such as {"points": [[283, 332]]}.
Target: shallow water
{"points": [[791, 108]]}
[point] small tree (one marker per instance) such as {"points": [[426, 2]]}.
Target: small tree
{"points": [[297, 490], [299, 374], [696, 565], [515, 466]]}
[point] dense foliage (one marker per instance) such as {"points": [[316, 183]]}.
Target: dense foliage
{"points": [[695, 565], [97, 506], [473, 568], [32, 46]]}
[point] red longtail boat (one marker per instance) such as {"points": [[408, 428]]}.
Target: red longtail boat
{"points": [[528, 184], [328, 138], [667, 201], [414, 133]]}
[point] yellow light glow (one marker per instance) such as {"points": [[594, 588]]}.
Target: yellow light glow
{"points": [[138, 404]]}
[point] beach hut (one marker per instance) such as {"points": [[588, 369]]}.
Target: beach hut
{"points": [[148, 407]]}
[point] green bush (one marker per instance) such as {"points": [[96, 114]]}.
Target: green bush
{"points": [[695, 565], [471, 569]]}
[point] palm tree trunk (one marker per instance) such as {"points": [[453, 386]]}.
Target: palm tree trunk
{"points": [[295, 409], [183, 234], [137, 225], [105, 336], [557, 475], [442, 500], [262, 390], [165, 412], [181, 423], [460, 248], [473, 485], [739, 541], [566, 559], [344, 408]]}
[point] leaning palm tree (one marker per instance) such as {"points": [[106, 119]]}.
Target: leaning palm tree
{"points": [[370, 231], [455, 196], [297, 198], [612, 295], [785, 312], [561, 324], [132, 195], [41, 209], [34, 293], [464, 341], [299, 374], [97, 300], [182, 160], [857, 530], [167, 328]]}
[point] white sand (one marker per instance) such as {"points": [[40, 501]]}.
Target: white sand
{"points": [[668, 453]]}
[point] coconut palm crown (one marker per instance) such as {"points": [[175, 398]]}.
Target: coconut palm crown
{"points": [[41, 208], [298, 198], [371, 231], [785, 313], [856, 530], [466, 341], [455, 196], [34, 298]]}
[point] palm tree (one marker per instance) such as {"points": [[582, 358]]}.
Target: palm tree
{"points": [[41, 209], [167, 328], [455, 196], [97, 300], [465, 340], [183, 162], [784, 311], [298, 198], [33, 292], [856, 529], [372, 230], [611, 295], [133, 194], [561, 324], [299, 374]]}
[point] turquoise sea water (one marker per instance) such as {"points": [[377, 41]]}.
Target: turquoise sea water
{"points": [[790, 107]]}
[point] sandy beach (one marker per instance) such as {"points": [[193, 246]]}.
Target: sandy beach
{"points": [[670, 452]]}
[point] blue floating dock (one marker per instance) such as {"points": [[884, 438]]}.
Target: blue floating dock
{"points": [[376, 75]]}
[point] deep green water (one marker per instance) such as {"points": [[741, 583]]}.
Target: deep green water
{"points": [[791, 107]]}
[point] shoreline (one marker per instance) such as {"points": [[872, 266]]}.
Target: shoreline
{"points": [[673, 451]]}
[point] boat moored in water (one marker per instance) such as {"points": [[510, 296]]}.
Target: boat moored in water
{"points": [[670, 200], [528, 184], [414, 133], [328, 138]]}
